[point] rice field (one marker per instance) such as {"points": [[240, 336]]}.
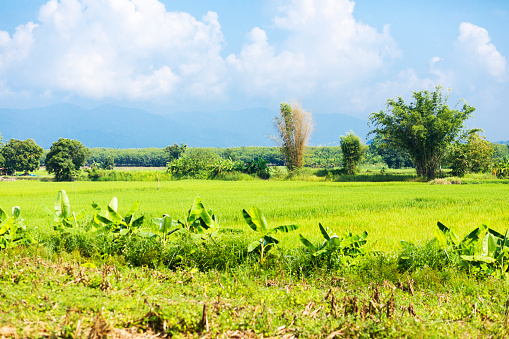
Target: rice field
{"points": [[389, 211]]}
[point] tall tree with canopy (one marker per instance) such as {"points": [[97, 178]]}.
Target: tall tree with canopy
{"points": [[65, 158], [21, 155], [424, 128]]}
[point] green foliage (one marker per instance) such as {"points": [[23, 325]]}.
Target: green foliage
{"points": [[108, 164], [424, 128], [130, 157], [198, 219], [21, 155], [258, 167], [501, 168], [474, 156], [256, 220], [176, 151], [293, 126], [65, 219], [65, 158], [13, 232], [353, 151], [110, 221], [193, 164], [346, 247], [500, 151], [323, 156], [394, 158], [482, 250]]}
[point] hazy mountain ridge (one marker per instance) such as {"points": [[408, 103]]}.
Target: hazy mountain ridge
{"points": [[119, 127]]}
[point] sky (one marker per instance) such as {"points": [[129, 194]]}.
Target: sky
{"points": [[332, 56]]}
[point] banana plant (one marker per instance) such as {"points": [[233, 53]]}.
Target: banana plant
{"points": [[161, 227], [12, 230], [483, 248], [198, 219], [65, 219], [256, 220], [349, 245], [112, 221]]}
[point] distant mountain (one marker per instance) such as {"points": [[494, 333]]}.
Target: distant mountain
{"points": [[120, 127]]}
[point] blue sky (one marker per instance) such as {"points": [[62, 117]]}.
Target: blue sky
{"points": [[334, 56]]}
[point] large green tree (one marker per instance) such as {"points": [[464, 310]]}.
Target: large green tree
{"points": [[475, 155], [24, 156], [65, 158], [424, 128], [294, 126], [353, 151]]}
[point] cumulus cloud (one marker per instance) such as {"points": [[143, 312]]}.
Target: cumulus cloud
{"points": [[325, 49], [479, 52], [123, 49]]}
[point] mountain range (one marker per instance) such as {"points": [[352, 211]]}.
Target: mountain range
{"points": [[119, 127]]}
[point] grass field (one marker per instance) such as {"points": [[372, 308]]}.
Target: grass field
{"points": [[390, 211], [66, 295]]}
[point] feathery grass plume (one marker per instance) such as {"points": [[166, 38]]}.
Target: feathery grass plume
{"points": [[294, 126]]}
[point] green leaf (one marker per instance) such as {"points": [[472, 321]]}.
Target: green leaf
{"points": [[62, 205], [197, 212], [114, 204], [444, 229], [324, 232], [103, 220], [5, 226], [256, 220], [489, 245], [283, 229], [138, 222], [440, 236], [133, 209], [113, 215], [253, 246], [307, 243], [16, 211], [269, 240], [4, 216]]}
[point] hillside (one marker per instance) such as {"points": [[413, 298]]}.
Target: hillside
{"points": [[120, 127]]}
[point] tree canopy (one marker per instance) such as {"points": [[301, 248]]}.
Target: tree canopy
{"points": [[424, 128], [352, 150], [21, 155], [65, 158]]}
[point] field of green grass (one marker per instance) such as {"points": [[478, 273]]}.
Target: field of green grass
{"points": [[389, 211], [49, 292]]}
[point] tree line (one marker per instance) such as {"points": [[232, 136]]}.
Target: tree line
{"points": [[425, 134]]}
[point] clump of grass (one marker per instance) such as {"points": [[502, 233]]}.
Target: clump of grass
{"points": [[428, 254], [446, 181]]}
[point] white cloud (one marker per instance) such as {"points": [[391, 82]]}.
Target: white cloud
{"points": [[122, 49], [325, 50], [478, 50]]}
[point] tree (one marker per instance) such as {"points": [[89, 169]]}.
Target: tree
{"points": [[175, 151], [65, 158], [294, 126], [394, 158], [109, 163], [22, 156], [353, 151], [424, 129], [2, 159], [475, 155]]}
